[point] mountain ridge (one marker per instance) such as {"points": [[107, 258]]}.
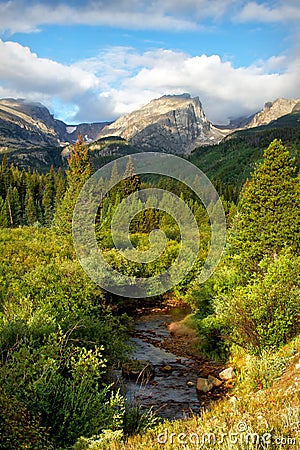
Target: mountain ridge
{"points": [[29, 124], [273, 110], [172, 123]]}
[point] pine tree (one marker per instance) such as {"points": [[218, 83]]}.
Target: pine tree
{"points": [[60, 188], [79, 171], [3, 214], [30, 210], [13, 206], [269, 209], [4, 177], [49, 198], [131, 182]]}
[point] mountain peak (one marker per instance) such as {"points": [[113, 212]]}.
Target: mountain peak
{"points": [[273, 110], [171, 123]]}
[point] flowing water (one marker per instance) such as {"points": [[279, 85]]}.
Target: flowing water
{"points": [[172, 395]]}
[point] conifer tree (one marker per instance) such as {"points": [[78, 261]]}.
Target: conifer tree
{"points": [[60, 188], [30, 210], [131, 182], [4, 177], [3, 214], [49, 198], [78, 173], [13, 206], [269, 209]]}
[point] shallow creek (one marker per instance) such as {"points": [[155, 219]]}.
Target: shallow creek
{"points": [[172, 395]]}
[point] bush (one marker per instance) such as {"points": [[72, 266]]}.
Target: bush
{"points": [[64, 384], [265, 313], [18, 429], [263, 370]]}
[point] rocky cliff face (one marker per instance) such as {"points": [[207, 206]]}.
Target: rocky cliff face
{"points": [[273, 110], [172, 124], [29, 125], [26, 125]]}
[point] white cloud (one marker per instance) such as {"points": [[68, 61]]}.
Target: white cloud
{"points": [[24, 74], [121, 79], [175, 15], [21, 16], [283, 11], [25, 70], [224, 90]]}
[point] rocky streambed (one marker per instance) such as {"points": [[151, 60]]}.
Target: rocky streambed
{"points": [[164, 371]]}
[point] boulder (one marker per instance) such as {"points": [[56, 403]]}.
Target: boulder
{"points": [[227, 374], [203, 385], [214, 381], [166, 369]]}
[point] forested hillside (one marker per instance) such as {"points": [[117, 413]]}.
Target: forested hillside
{"points": [[234, 158]]}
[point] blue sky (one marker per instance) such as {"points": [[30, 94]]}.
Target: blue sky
{"points": [[95, 60]]}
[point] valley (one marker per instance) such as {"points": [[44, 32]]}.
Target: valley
{"points": [[87, 366]]}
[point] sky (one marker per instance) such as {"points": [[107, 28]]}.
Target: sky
{"points": [[92, 61]]}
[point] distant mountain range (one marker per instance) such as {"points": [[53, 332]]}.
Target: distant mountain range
{"points": [[31, 136]]}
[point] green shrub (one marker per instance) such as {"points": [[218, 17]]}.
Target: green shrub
{"points": [[265, 313], [64, 384], [261, 371], [18, 429]]}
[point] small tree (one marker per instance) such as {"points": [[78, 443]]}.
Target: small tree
{"points": [[257, 304], [78, 173], [49, 197]]}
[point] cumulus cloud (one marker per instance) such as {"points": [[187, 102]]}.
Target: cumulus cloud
{"points": [[24, 74], [121, 79], [224, 90], [25, 70]]}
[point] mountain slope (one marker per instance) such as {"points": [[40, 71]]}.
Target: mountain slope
{"points": [[233, 159], [172, 124], [273, 111], [26, 124]]}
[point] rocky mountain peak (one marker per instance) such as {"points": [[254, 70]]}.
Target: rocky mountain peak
{"points": [[171, 123], [273, 110]]}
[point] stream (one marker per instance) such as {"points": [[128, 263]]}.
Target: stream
{"points": [[172, 395]]}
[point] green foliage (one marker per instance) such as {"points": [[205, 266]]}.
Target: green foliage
{"points": [[269, 209], [62, 382], [265, 313], [79, 171], [18, 429], [137, 420], [48, 200], [102, 442], [231, 161], [58, 338], [3, 214], [253, 298], [27, 198], [260, 372], [134, 420]]}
